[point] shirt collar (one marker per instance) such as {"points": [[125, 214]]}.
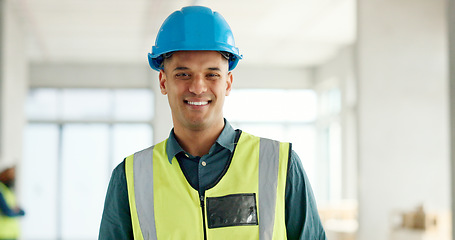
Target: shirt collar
{"points": [[225, 140]]}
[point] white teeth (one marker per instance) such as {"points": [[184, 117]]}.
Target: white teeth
{"points": [[198, 103]]}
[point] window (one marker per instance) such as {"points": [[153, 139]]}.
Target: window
{"points": [[329, 141], [284, 115], [307, 118], [73, 140]]}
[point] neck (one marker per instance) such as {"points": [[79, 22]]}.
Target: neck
{"points": [[197, 142]]}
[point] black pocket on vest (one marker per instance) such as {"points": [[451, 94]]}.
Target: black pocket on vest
{"points": [[232, 210]]}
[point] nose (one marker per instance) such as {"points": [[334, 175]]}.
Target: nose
{"points": [[198, 85]]}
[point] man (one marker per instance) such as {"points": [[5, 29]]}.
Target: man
{"points": [[207, 180], [9, 211]]}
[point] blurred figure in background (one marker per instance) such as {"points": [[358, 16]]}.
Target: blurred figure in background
{"points": [[9, 211]]}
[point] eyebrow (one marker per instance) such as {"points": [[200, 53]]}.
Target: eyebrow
{"points": [[180, 68], [185, 68]]}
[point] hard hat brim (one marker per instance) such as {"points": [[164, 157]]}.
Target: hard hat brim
{"points": [[156, 62]]}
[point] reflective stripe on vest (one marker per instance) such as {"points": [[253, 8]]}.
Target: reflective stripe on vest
{"points": [[9, 226], [139, 175], [263, 175]]}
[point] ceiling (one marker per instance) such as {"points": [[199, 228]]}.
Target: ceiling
{"points": [[295, 33]]}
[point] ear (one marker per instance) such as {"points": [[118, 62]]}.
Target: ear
{"points": [[229, 80], [162, 78]]}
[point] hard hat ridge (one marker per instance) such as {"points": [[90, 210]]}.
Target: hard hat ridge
{"points": [[194, 28]]}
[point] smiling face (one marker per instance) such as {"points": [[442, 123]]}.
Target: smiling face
{"points": [[196, 83]]}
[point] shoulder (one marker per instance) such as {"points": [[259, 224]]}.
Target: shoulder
{"points": [[295, 166], [117, 191], [118, 176]]}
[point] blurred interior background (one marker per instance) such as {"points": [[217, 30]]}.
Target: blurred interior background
{"points": [[362, 88]]}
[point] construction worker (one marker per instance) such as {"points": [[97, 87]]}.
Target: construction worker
{"points": [[9, 211], [207, 180]]}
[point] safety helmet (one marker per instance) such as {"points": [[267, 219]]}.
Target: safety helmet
{"points": [[194, 28]]}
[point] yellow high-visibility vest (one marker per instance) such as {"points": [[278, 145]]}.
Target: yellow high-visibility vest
{"points": [[246, 203], [9, 226]]}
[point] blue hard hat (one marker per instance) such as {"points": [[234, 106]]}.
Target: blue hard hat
{"points": [[194, 28]]}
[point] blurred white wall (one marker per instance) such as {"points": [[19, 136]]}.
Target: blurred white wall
{"points": [[403, 110], [13, 83], [451, 30]]}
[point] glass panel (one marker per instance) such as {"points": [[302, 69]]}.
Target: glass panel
{"points": [[38, 182], [300, 105], [335, 100], [329, 164], [323, 166], [42, 104], [330, 102], [133, 104], [303, 139], [271, 105], [64, 198], [85, 174], [83, 104], [130, 138], [335, 161]]}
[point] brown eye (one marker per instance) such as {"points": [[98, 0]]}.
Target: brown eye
{"points": [[183, 76], [213, 76]]}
